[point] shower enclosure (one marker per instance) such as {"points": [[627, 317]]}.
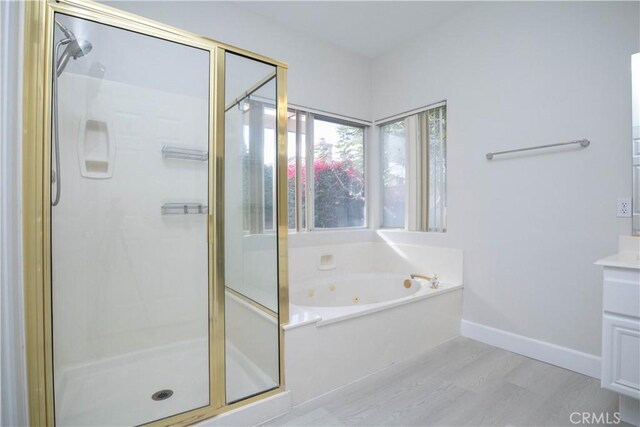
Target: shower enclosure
{"points": [[155, 217]]}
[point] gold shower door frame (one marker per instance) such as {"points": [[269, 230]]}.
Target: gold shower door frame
{"points": [[36, 162]]}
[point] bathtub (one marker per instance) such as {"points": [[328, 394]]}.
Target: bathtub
{"points": [[330, 300], [345, 328]]}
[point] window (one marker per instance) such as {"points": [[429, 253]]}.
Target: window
{"points": [[297, 169], [394, 174], [293, 137], [326, 172], [338, 178], [414, 171], [253, 122], [437, 168]]}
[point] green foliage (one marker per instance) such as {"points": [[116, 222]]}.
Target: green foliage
{"points": [[339, 196], [350, 146], [338, 185]]}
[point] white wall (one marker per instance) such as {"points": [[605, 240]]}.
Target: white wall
{"points": [[125, 277], [123, 56], [13, 387], [321, 76], [367, 252], [516, 74]]}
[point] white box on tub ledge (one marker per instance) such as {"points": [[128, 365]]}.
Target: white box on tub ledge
{"points": [[329, 347]]}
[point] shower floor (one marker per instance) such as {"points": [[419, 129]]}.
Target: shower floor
{"points": [[117, 391]]}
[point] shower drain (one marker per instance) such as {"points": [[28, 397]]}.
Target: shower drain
{"points": [[162, 394]]}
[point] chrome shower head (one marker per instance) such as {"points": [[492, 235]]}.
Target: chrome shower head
{"points": [[75, 48], [83, 48]]}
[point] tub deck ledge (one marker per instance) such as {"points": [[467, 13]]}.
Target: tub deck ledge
{"points": [[322, 316]]}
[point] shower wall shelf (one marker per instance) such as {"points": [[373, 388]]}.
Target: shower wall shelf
{"points": [[184, 209], [184, 153], [96, 149]]}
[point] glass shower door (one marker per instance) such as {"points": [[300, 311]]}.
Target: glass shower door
{"points": [[250, 228], [130, 263]]}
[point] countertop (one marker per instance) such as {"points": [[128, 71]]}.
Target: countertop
{"points": [[621, 260]]}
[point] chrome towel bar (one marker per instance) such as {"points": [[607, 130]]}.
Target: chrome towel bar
{"points": [[583, 143]]}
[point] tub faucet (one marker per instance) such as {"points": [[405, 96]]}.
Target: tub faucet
{"points": [[433, 280]]}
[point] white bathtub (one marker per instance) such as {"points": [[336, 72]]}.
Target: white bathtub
{"points": [[344, 328], [329, 300]]}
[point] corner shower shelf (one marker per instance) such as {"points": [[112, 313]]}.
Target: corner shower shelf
{"points": [[175, 152], [184, 209]]}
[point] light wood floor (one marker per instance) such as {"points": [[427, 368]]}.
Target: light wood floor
{"points": [[460, 383]]}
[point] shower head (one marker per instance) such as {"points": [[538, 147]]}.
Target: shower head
{"points": [[75, 48]]}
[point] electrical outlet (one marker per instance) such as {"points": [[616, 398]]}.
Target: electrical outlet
{"points": [[624, 207]]}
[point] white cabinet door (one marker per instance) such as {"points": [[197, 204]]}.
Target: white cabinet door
{"points": [[620, 355]]}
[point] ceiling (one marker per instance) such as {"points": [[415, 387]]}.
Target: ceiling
{"points": [[370, 28]]}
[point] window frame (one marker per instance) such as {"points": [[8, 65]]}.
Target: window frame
{"points": [[309, 193], [257, 224], [416, 120]]}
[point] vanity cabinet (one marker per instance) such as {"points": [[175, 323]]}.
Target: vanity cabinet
{"points": [[621, 332], [621, 355]]}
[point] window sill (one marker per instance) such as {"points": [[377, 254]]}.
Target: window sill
{"points": [[331, 237]]}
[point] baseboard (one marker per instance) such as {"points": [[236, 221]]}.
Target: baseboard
{"points": [[254, 413], [577, 361]]}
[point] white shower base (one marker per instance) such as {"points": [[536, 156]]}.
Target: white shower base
{"points": [[117, 391]]}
